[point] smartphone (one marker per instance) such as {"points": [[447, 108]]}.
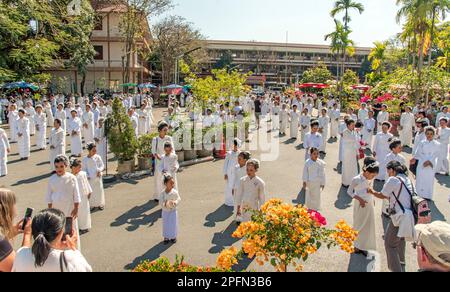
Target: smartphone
{"points": [[68, 228], [27, 217]]}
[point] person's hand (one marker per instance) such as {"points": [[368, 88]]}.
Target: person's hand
{"points": [[239, 211], [99, 174], [428, 164], [362, 203], [27, 229], [70, 242], [322, 187], [8, 150], [374, 154], [74, 213], [413, 161], [226, 177], [304, 185], [20, 135], [18, 228]]}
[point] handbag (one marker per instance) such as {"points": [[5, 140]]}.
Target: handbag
{"points": [[420, 207]]}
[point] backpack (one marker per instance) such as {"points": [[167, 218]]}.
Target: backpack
{"points": [[420, 207]]}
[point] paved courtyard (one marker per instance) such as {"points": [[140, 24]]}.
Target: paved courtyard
{"points": [[129, 230]]}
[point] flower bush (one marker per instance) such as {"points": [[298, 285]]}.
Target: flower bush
{"points": [[163, 265], [286, 235]]}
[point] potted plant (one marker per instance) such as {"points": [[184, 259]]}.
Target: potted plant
{"points": [[191, 154], [121, 137], [207, 142], [144, 151]]}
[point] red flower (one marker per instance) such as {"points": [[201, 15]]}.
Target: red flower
{"points": [[316, 216]]}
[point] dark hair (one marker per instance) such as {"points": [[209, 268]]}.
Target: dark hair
{"points": [[245, 155], [430, 129], [371, 165], [162, 125], [389, 125], [394, 143], [314, 123], [22, 111], [90, 146], [313, 149], [46, 226], [397, 167], [58, 121], [75, 162], [359, 125], [422, 113], [236, 142], [61, 159], [167, 178], [349, 122], [167, 145]]}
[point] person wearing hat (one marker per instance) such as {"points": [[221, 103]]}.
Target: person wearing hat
{"points": [[433, 247], [40, 122]]}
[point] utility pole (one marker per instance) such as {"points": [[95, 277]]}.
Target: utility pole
{"points": [[287, 57]]}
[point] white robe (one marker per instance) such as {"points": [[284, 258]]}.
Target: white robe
{"points": [[363, 114], [381, 118], [368, 131], [40, 122], [49, 114], [250, 196], [158, 148], [61, 115], [427, 151], [23, 129], [324, 122], [276, 117], [305, 123], [363, 218], [4, 146], [169, 164], [74, 130], [295, 121], [228, 170], [63, 194], [381, 148], [12, 120], [84, 211], [314, 177], [444, 139], [406, 133], [30, 113], [334, 127], [284, 120], [143, 122], [101, 143], [57, 139], [312, 141], [92, 166], [350, 148], [88, 132], [239, 173]]}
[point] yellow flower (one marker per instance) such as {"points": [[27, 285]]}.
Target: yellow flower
{"points": [[227, 258]]}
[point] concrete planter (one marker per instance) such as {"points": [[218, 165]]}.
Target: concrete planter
{"points": [[144, 163], [126, 167], [180, 155], [190, 155]]}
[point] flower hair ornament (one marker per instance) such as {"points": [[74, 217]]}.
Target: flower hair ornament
{"points": [[373, 165]]}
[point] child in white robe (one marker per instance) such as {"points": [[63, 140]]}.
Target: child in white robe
{"points": [[276, 116], [324, 122], [444, 138], [158, 151], [74, 127], [60, 114], [228, 171], [350, 152], [295, 121], [93, 166], [40, 122], [406, 127], [169, 163], [13, 116], [342, 128], [284, 119], [88, 125], [251, 193], [382, 117], [363, 207], [305, 123], [381, 149], [312, 140], [169, 200], [240, 171], [335, 115], [5, 148], [368, 130], [30, 112], [314, 180], [23, 134], [100, 140], [84, 210]]}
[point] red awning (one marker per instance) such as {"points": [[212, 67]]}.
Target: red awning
{"points": [[314, 85]]}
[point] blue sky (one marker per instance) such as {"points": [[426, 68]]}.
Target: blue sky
{"points": [[307, 21]]}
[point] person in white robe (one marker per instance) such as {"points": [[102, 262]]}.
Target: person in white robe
{"points": [[88, 125], [169, 163], [30, 112], [284, 119], [63, 193], [208, 120], [251, 194], [335, 115], [74, 129], [363, 113], [48, 113], [443, 114], [240, 171], [420, 135], [381, 148], [427, 155], [169, 200], [350, 153], [276, 110], [84, 210], [100, 140], [60, 114], [94, 167], [134, 121], [382, 117], [324, 123], [314, 180], [23, 134], [149, 109], [406, 127], [295, 121], [5, 149], [57, 142], [312, 139], [158, 151], [443, 137], [368, 130], [305, 123], [40, 122], [231, 160], [142, 125], [363, 207], [68, 110], [13, 116]]}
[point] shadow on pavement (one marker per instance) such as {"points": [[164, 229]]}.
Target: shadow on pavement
{"points": [[32, 180], [443, 180], [290, 141], [43, 163], [436, 215], [151, 255], [223, 239], [407, 150], [300, 147], [338, 168], [359, 263], [136, 217], [332, 140], [344, 201], [243, 264], [220, 215], [301, 198]]}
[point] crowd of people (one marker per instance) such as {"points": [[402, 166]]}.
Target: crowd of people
{"points": [[309, 118]]}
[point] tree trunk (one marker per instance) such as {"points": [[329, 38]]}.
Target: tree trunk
{"points": [[82, 83], [430, 51]]}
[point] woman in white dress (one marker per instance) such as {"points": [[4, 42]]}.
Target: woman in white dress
{"points": [[350, 152], [363, 207], [143, 121], [74, 129], [100, 140], [295, 122], [427, 155], [368, 130], [324, 122], [48, 113], [284, 119], [314, 180], [381, 148], [406, 127], [169, 163], [57, 142], [23, 134], [444, 138], [305, 123], [40, 121], [240, 171], [276, 110], [30, 112], [231, 160], [158, 151], [84, 210], [5, 148], [93, 166], [13, 116], [88, 125], [60, 114], [335, 115]]}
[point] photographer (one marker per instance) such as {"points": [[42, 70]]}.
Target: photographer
{"points": [[9, 231], [52, 250]]}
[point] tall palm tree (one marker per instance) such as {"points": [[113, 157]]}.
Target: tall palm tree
{"points": [[437, 8], [345, 6], [335, 45]]}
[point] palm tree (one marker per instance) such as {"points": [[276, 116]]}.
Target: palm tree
{"points": [[335, 45], [377, 55], [345, 6], [437, 7]]}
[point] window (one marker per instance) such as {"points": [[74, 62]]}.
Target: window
{"points": [[98, 52], [98, 23]]}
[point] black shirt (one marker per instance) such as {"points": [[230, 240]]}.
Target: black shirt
{"points": [[257, 106], [5, 249]]}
